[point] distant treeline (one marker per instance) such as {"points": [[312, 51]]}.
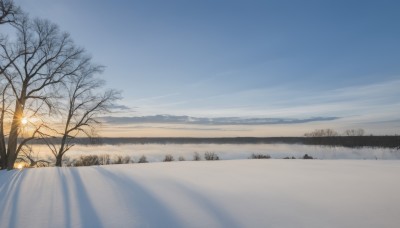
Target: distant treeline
{"points": [[355, 141], [345, 141]]}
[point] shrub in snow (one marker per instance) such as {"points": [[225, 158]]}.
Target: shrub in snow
{"points": [[122, 160], [260, 156], [181, 158], [196, 157], [67, 161], [306, 156], [87, 160], [168, 158], [127, 160], [289, 157], [211, 156], [142, 159], [118, 160], [105, 159]]}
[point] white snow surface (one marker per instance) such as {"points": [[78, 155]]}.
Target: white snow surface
{"points": [[235, 193]]}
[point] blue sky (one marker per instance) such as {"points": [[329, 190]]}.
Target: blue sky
{"points": [[335, 63]]}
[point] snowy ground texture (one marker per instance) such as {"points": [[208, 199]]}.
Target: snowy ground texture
{"points": [[237, 193]]}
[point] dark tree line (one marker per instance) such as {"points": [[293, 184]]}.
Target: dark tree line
{"points": [[48, 87], [331, 133], [345, 141]]}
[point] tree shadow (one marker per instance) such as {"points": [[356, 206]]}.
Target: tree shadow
{"points": [[152, 208], [10, 194], [7, 178], [78, 208], [213, 210], [155, 213], [87, 211], [65, 196]]}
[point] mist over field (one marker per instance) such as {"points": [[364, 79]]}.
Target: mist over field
{"points": [[157, 152]]}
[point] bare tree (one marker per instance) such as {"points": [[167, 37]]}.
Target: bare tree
{"points": [[5, 105], [354, 132], [35, 69], [85, 102], [322, 133], [40, 59], [8, 11]]}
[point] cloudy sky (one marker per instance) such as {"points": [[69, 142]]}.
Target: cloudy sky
{"points": [[240, 68]]}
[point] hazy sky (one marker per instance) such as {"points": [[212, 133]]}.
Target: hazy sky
{"points": [[279, 67]]}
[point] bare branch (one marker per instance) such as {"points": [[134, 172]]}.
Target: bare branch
{"points": [[8, 11]]}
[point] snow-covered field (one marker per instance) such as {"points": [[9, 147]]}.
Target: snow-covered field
{"points": [[235, 193]]}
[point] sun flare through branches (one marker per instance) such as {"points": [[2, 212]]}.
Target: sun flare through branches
{"points": [[24, 121]]}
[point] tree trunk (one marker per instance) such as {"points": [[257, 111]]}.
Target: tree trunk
{"points": [[59, 160], [3, 158], [61, 151], [3, 149], [3, 152], [13, 137]]}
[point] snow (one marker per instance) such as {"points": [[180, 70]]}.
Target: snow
{"points": [[235, 193]]}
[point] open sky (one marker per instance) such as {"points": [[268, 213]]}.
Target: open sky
{"points": [[240, 68]]}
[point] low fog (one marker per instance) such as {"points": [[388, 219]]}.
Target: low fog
{"points": [[157, 152]]}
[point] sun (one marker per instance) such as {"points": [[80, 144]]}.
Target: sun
{"points": [[24, 121]]}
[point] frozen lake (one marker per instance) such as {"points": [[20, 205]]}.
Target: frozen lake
{"points": [[156, 152]]}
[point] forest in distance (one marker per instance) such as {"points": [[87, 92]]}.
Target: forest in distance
{"points": [[344, 141]]}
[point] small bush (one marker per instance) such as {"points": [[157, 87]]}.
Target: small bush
{"points": [[168, 158], [211, 156], [69, 162], [143, 159], [118, 160], [127, 160], [289, 157], [181, 158], [122, 160], [306, 156], [260, 156], [87, 160], [196, 157], [104, 159]]}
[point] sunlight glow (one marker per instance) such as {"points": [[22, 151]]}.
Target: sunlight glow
{"points": [[20, 166], [24, 121]]}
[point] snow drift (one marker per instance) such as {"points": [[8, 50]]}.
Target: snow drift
{"points": [[240, 193]]}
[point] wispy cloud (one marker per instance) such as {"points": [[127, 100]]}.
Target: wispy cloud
{"points": [[119, 107], [170, 119], [275, 111], [285, 102]]}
